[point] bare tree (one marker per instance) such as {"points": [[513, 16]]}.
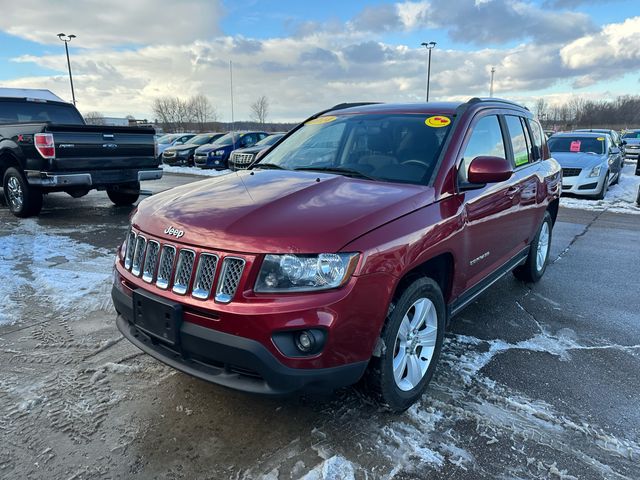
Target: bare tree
{"points": [[95, 118], [201, 111], [260, 110], [541, 108]]}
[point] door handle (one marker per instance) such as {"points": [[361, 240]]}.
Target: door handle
{"points": [[513, 191]]}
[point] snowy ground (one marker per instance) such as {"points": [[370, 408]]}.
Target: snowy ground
{"points": [[193, 171], [620, 198], [535, 382]]}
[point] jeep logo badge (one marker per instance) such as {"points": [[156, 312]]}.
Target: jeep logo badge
{"points": [[174, 231]]}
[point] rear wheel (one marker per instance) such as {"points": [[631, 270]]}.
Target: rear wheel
{"points": [[533, 269], [412, 338], [23, 199], [123, 195]]}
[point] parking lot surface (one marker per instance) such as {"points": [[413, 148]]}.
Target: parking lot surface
{"points": [[535, 381]]}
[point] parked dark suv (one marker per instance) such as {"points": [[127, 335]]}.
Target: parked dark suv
{"points": [[344, 251], [217, 154]]}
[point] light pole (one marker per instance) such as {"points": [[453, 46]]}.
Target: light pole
{"points": [[429, 46], [66, 39], [493, 70]]}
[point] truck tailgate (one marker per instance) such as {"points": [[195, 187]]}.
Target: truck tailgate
{"points": [[93, 147]]}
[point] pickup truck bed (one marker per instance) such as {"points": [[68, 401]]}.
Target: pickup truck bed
{"points": [[37, 157]]}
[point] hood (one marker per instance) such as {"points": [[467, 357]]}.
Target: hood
{"points": [[254, 149], [578, 160], [277, 211], [178, 148]]}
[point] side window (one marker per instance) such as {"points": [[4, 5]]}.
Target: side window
{"points": [[518, 140], [262, 136], [485, 140], [538, 136], [248, 140]]}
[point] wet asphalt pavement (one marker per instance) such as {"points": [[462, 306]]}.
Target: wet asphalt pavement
{"points": [[535, 381]]}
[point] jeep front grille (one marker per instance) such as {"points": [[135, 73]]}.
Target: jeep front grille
{"points": [[183, 271], [205, 275], [150, 261], [170, 266], [166, 266], [138, 255], [232, 268]]}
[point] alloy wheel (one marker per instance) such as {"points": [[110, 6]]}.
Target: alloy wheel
{"points": [[15, 193], [543, 246], [415, 344]]}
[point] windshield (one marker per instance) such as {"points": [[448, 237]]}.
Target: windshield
{"points": [[577, 144], [389, 147], [167, 139], [39, 112], [635, 134], [227, 139], [201, 139], [270, 140]]}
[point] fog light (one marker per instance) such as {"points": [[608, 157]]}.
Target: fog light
{"points": [[305, 341]]}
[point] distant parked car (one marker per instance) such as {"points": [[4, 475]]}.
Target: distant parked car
{"points": [[184, 154], [241, 158], [632, 148], [217, 154], [590, 162], [617, 139], [170, 140]]}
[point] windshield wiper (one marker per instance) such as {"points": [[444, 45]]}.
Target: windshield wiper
{"points": [[269, 165], [340, 171]]}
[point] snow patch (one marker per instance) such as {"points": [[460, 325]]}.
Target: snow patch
{"points": [[194, 171], [333, 468]]}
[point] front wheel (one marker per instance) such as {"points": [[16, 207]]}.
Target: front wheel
{"points": [[603, 191], [536, 264], [124, 195], [412, 339], [23, 199]]}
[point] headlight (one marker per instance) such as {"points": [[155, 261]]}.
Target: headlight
{"points": [[218, 153], [595, 172], [300, 273]]}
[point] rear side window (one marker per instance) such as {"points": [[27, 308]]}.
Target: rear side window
{"points": [[38, 112], [518, 140], [485, 140]]}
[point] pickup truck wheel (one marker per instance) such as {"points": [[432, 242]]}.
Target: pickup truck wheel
{"points": [[412, 339], [23, 199], [533, 269], [124, 195]]}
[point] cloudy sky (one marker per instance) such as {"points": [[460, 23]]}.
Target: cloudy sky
{"points": [[308, 55]]}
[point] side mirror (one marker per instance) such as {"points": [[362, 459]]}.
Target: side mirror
{"points": [[624, 142], [614, 150], [489, 170]]}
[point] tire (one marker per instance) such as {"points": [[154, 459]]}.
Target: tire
{"points": [[124, 195], [615, 182], [638, 197], [398, 392], [603, 191], [22, 199], [533, 269]]}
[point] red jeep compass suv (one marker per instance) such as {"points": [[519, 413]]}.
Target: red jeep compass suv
{"points": [[343, 251]]}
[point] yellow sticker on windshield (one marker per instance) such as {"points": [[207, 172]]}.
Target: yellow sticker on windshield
{"points": [[321, 120], [600, 139], [437, 121]]}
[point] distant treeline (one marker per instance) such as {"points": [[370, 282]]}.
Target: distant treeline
{"points": [[621, 113]]}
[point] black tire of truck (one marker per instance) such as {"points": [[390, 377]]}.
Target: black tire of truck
{"points": [[124, 195], [23, 200]]}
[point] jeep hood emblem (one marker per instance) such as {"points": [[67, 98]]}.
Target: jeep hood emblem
{"points": [[174, 231]]}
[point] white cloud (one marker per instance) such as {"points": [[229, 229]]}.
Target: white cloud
{"points": [[616, 45], [98, 23]]}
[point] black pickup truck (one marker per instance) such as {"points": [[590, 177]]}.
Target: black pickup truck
{"points": [[45, 146]]}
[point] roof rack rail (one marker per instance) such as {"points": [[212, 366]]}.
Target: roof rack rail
{"points": [[493, 99]]}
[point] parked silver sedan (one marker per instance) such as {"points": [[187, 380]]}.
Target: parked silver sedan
{"points": [[590, 162]]}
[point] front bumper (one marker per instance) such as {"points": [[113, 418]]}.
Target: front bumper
{"points": [[218, 163], [230, 360], [90, 179], [582, 184]]}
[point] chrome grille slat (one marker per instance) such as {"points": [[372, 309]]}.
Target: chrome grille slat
{"points": [[205, 274], [184, 268], [150, 261], [165, 266], [232, 268], [128, 256], [138, 255]]}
